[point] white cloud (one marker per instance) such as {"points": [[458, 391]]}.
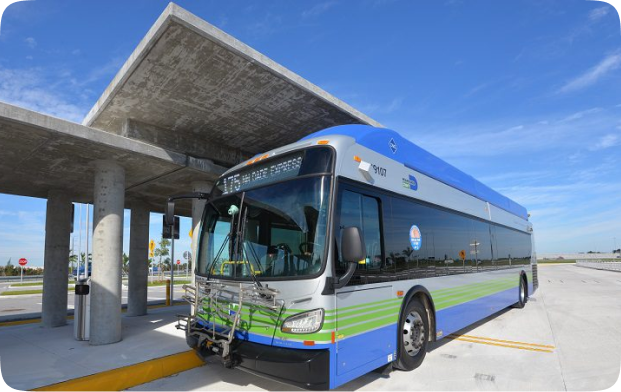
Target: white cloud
{"points": [[580, 114], [593, 75], [598, 13], [31, 42], [30, 88], [265, 26], [606, 141], [318, 9]]}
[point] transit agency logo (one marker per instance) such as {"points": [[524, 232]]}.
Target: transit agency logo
{"points": [[4, 4], [416, 239], [393, 145]]}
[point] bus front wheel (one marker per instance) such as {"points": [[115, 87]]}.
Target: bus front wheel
{"points": [[413, 336]]}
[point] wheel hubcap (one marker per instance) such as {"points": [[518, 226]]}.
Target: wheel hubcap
{"points": [[522, 291], [413, 333]]}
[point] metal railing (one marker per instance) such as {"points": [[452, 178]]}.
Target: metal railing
{"points": [[600, 264]]}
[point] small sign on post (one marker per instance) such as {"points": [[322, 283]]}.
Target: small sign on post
{"points": [[22, 262], [167, 231]]}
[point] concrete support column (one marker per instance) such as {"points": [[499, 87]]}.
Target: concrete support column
{"points": [[138, 260], [197, 213], [109, 199], [56, 259]]}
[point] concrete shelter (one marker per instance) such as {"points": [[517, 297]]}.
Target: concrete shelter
{"points": [[189, 102]]}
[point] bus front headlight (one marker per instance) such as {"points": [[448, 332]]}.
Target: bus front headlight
{"points": [[307, 322]]}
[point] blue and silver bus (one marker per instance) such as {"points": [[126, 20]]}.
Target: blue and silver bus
{"points": [[348, 251]]}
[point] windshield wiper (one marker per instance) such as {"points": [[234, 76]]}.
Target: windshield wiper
{"points": [[240, 240], [226, 239]]}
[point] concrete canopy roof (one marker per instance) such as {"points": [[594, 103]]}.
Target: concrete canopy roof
{"points": [[190, 101], [194, 89], [40, 153]]}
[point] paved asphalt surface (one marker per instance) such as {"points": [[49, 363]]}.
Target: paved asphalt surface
{"points": [[568, 337]]}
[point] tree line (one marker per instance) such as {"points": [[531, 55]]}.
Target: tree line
{"points": [[9, 269]]}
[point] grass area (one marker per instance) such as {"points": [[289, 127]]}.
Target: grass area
{"points": [[30, 284], [163, 282], [27, 284], [23, 292], [556, 261]]}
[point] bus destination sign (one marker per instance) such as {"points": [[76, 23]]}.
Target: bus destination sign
{"points": [[262, 173]]}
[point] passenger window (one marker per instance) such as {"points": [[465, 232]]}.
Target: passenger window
{"points": [[362, 212]]}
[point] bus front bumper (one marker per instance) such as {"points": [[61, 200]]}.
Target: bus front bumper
{"points": [[309, 369]]}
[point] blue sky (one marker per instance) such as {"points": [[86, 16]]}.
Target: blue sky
{"points": [[523, 95]]}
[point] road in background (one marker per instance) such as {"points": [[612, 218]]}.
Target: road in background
{"points": [[31, 303]]}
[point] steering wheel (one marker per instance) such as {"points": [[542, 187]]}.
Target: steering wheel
{"points": [[309, 247], [284, 247]]}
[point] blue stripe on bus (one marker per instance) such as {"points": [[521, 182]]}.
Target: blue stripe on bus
{"points": [[415, 158], [450, 320], [360, 354]]}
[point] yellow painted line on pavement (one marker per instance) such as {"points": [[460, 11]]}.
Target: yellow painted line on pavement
{"points": [[508, 341], [130, 376], [499, 343]]}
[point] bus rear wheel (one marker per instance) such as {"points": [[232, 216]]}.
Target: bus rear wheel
{"points": [[413, 336], [522, 295]]}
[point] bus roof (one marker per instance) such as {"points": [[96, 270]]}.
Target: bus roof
{"points": [[394, 146]]}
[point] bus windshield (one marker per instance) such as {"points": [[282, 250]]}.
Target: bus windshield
{"points": [[276, 231]]}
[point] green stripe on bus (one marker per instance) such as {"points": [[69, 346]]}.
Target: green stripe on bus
{"points": [[356, 329], [469, 290], [471, 296]]}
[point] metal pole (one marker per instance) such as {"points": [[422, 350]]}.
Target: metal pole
{"points": [[72, 253], [88, 209], [172, 265], [80, 242], [21, 279]]}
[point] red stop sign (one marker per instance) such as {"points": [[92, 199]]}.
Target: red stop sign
{"points": [[178, 262], [23, 261]]}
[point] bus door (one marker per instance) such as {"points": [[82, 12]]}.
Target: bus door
{"points": [[360, 305]]}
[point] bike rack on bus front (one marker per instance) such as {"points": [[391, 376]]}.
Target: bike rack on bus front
{"points": [[225, 302]]}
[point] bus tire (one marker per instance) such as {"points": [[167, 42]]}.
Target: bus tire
{"points": [[413, 336], [522, 294]]}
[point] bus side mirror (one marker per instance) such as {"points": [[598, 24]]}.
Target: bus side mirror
{"points": [[352, 251], [352, 245]]}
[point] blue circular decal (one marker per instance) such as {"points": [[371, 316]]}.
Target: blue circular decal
{"points": [[416, 239]]}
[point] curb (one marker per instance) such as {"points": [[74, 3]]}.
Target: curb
{"points": [[130, 376]]}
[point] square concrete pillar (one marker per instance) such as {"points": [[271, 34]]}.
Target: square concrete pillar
{"points": [[138, 260], [56, 259], [198, 206], [109, 200]]}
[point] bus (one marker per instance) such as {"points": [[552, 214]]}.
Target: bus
{"points": [[348, 251]]}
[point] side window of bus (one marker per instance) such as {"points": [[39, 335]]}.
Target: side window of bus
{"points": [[512, 248], [425, 241], [363, 212]]}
